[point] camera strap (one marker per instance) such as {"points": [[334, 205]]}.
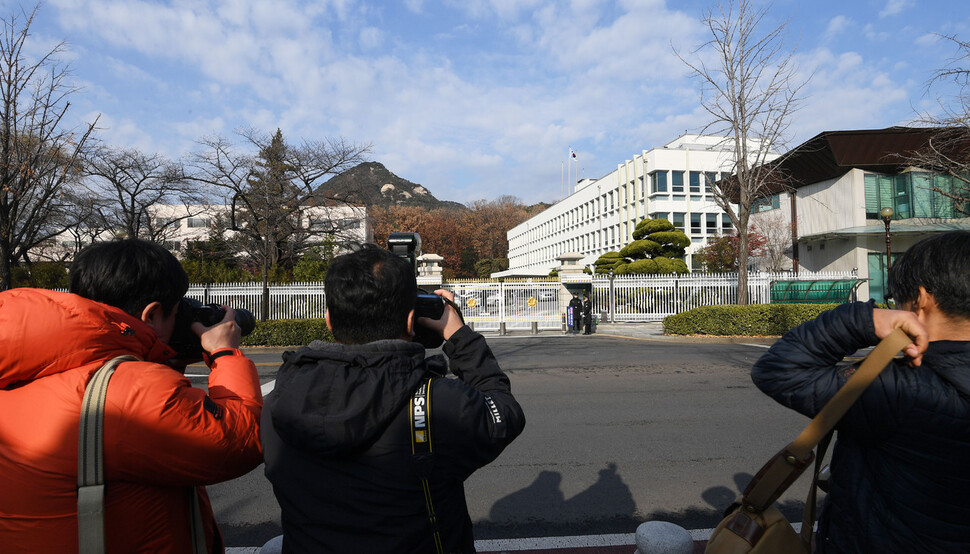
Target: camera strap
{"points": [[422, 452]]}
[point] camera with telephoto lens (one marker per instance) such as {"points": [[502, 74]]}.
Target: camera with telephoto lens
{"points": [[185, 342], [431, 306]]}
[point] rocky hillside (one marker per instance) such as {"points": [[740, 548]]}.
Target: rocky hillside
{"points": [[371, 183]]}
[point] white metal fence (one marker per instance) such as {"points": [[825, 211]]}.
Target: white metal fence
{"points": [[532, 304], [638, 298], [289, 301]]}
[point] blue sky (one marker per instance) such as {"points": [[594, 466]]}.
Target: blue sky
{"points": [[471, 98]]}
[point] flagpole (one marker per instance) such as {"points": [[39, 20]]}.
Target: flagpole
{"points": [[562, 178], [569, 170]]}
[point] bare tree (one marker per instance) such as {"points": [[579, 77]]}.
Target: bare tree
{"points": [[776, 231], [750, 90], [272, 192], [132, 187], [38, 155], [947, 150]]}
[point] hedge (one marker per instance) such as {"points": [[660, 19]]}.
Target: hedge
{"points": [[750, 320], [288, 332]]}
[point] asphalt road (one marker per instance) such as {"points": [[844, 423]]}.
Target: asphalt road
{"points": [[619, 431]]}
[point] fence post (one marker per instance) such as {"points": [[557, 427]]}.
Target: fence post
{"points": [[535, 327], [612, 299], [677, 301]]}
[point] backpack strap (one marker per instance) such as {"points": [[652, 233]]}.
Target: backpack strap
{"points": [[422, 452], [90, 469], [90, 463]]}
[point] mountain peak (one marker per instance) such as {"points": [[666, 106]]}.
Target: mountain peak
{"points": [[370, 183]]}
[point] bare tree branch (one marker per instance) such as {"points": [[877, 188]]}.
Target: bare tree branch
{"points": [[38, 156], [750, 90]]}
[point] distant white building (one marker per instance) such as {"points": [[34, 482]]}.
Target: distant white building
{"points": [[347, 225], [176, 226], [670, 182]]}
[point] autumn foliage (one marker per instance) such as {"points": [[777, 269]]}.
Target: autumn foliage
{"points": [[721, 253], [463, 238]]}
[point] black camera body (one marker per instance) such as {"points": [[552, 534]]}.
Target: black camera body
{"points": [[431, 306], [185, 342]]}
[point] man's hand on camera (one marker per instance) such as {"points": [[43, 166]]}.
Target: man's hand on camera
{"points": [[225, 334], [449, 322]]}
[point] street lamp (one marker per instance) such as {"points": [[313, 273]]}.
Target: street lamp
{"points": [[887, 216]]}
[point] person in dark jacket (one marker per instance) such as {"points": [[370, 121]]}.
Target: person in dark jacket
{"points": [[338, 437], [899, 478], [587, 315], [576, 307]]}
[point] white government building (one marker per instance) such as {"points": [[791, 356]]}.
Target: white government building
{"points": [[600, 215]]}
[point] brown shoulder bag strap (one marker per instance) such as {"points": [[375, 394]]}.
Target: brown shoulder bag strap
{"points": [[785, 467]]}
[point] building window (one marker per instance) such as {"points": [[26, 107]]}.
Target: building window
{"points": [[659, 215], [695, 224], [679, 221], [677, 181], [711, 224], [726, 226], [658, 181], [198, 222], [915, 194], [709, 179], [695, 182], [766, 203]]}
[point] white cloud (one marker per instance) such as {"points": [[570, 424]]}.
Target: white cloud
{"points": [[371, 38], [895, 7], [414, 5], [837, 25]]}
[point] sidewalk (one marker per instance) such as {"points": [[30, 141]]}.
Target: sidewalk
{"points": [[647, 331]]}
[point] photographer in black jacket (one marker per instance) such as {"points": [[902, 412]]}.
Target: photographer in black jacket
{"points": [[337, 434]]}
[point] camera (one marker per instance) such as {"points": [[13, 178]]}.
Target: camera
{"points": [[185, 342], [431, 306]]}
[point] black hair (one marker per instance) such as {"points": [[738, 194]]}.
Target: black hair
{"points": [[941, 265], [369, 295], [129, 274]]}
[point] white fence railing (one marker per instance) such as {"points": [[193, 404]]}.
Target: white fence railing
{"points": [[537, 304], [633, 298]]}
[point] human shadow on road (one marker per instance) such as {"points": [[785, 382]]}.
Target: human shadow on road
{"points": [[607, 506], [718, 499]]}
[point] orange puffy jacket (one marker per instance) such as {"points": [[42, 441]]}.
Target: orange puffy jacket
{"points": [[163, 439]]}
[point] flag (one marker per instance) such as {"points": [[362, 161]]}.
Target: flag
{"points": [[572, 154]]}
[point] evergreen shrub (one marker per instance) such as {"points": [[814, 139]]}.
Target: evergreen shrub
{"points": [[288, 332], [750, 320]]}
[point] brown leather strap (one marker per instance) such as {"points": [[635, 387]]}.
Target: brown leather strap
{"points": [[833, 411], [776, 475]]}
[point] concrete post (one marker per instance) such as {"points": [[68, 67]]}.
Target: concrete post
{"points": [[535, 327]]}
